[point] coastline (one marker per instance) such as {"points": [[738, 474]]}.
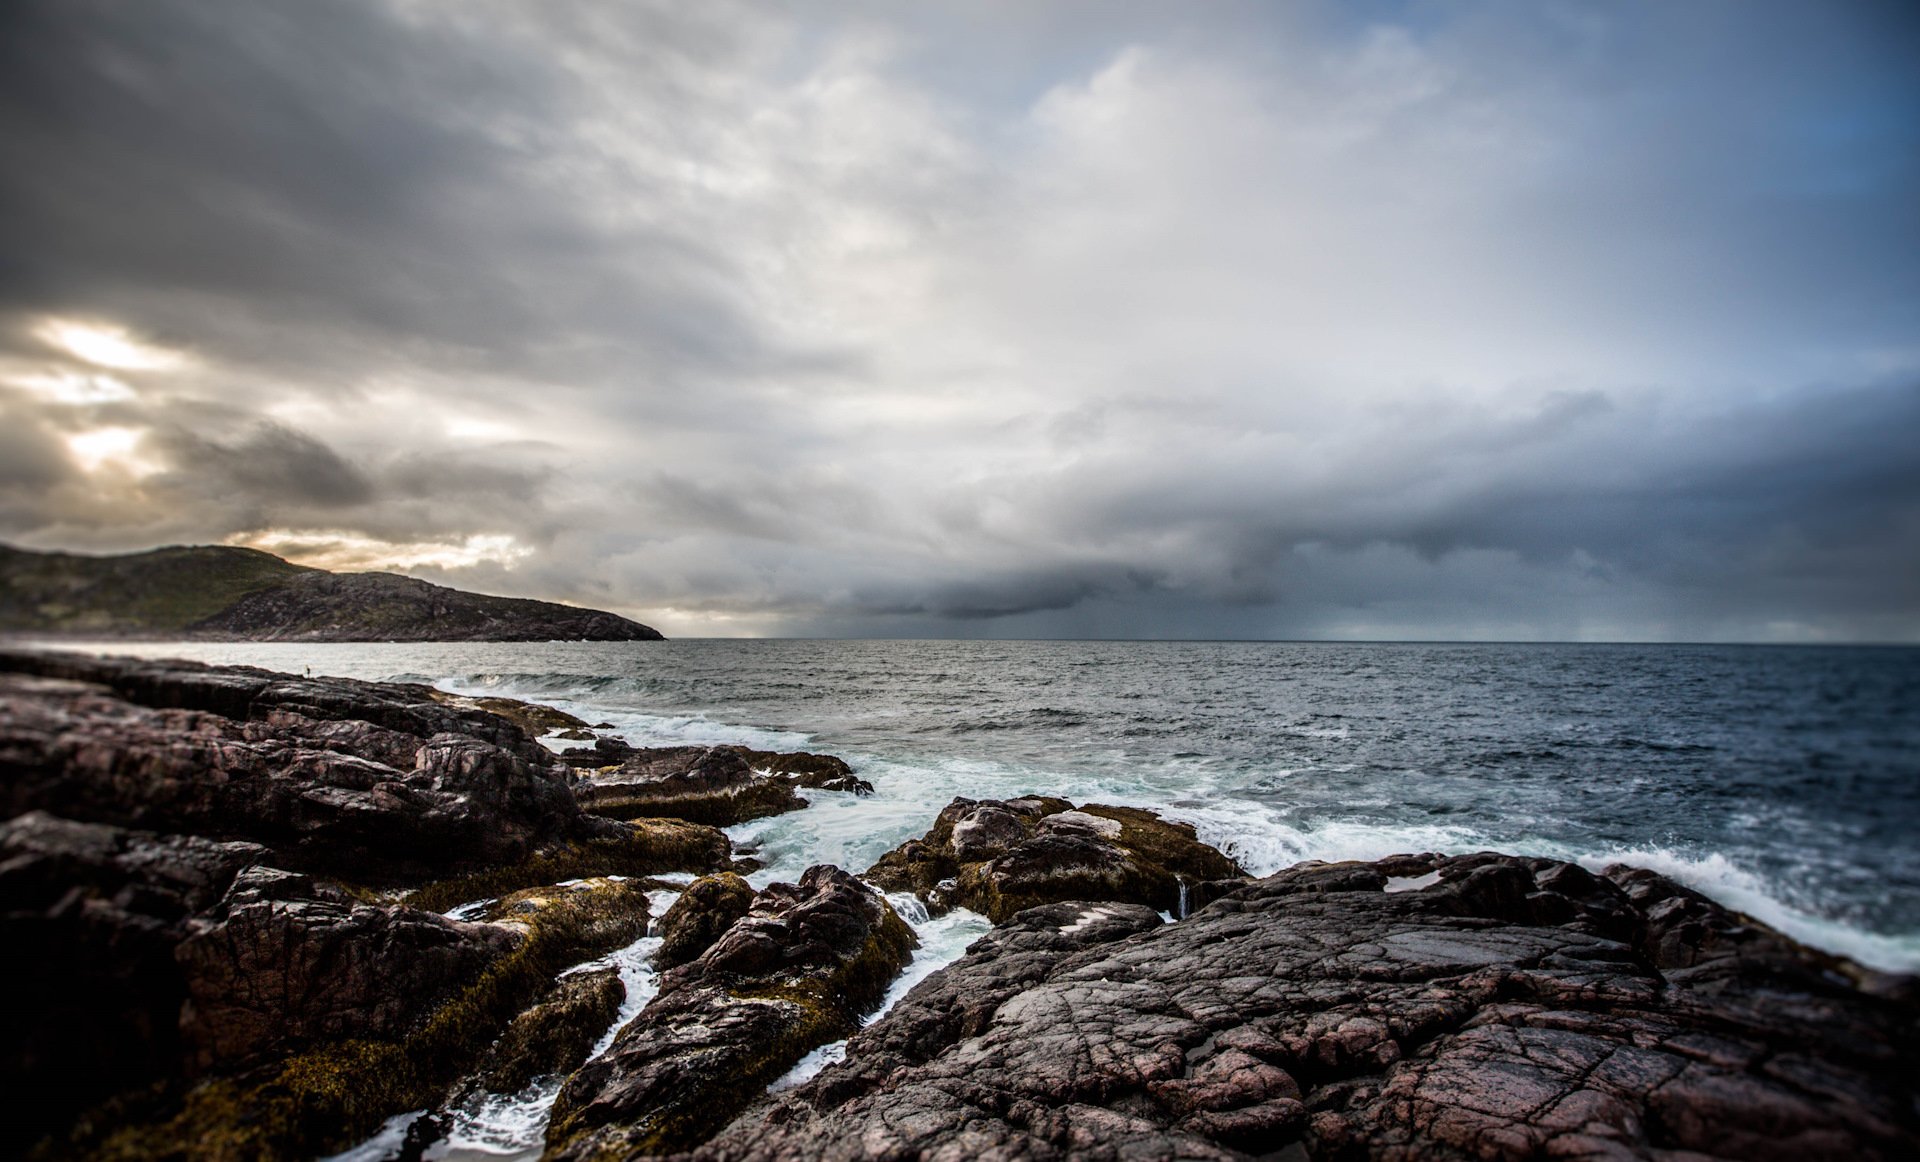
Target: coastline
{"points": [[1510, 941]]}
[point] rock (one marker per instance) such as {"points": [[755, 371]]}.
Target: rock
{"points": [[286, 962], [553, 1038], [531, 717], [336, 1091], [819, 772], [796, 972], [600, 914], [712, 785], [372, 783], [701, 915], [90, 916], [641, 847], [999, 858], [1510, 1010]]}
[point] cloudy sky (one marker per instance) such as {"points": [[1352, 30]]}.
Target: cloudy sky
{"points": [[1483, 320]]}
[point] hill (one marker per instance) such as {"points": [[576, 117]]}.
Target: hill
{"points": [[223, 593]]}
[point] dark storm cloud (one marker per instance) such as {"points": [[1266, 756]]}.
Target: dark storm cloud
{"points": [[270, 465], [339, 167], [1070, 318]]}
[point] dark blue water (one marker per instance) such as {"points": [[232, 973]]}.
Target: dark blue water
{"points": [[1785, 781]]}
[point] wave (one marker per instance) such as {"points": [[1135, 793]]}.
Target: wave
{"points": [[1262, 837]]}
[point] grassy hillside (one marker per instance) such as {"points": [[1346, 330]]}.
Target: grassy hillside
{"points": [[228, 594], [162, 591]]}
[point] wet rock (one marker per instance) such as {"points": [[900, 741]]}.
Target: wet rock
{"points": [[287, 961], [531, 717], [796, 972], [1504, 1010], [363, 781], [90, 916], [1001, 857], [639, 847], [553, 1037], [703, 913], [712, 785], [598, 914], [819, 772], [336, 1091]]}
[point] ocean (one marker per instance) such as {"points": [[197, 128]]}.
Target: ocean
{"points": [[1784, 782]]}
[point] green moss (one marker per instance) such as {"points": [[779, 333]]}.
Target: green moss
{"points": [[651, 847], [531, 717], [333, 1095], [1171, 845], [820, 1009], [164, 590]]}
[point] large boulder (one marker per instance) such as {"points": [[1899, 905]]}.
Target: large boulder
{"points": [[1000, 857], [796, 972], [1482, 1007]]}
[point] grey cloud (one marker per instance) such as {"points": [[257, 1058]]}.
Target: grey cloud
{"points": [[1114, 319], [272, 465]]}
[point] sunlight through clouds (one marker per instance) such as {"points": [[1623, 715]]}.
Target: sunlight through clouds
{"points": [[105, 345], [342, 550]]}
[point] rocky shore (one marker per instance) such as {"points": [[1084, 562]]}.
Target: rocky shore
{"points": [[257, 916]]}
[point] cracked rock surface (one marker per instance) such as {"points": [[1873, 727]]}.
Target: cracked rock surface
{"points": [[1514, 1009]]}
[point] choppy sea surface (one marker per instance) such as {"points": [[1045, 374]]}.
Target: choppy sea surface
{"points": [[1782, 781]]}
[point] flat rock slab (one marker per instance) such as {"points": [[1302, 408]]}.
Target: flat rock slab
{"points": [[1514, 1009]]}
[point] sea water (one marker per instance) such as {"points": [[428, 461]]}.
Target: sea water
{"points": [[1784, 781]]}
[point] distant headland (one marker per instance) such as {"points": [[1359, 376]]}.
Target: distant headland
{"points": [[224, 593]]}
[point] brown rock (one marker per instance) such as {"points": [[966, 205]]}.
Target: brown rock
{"points": [[796, 972], [703, 913], [1312, 1014], [711, 785], [999, 858]]}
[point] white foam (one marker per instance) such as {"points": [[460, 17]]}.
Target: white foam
{"points": [[1721, 879], [943, 940], [384, 1142], [1412, 883]]}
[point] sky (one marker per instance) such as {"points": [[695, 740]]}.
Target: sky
{"points": [[1479, 320]]}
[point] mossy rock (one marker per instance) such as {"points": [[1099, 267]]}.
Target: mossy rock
{"points": [[554, 1036], [1043, 850], [646, 847], [722, 808], [333, 1095], [702, 914], [780, 984]]}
